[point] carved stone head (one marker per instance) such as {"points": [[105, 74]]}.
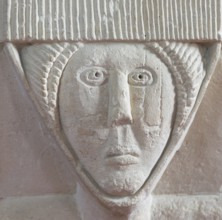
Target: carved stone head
{"points": [[120, 110], [121, 101]]}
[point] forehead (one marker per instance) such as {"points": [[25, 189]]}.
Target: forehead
{"points": [[121, 55], [110, 49]]}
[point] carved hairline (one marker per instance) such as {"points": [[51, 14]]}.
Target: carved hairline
{"points": [[44, 65]]}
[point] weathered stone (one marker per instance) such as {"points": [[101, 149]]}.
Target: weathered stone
{"points": [[118, 110]]}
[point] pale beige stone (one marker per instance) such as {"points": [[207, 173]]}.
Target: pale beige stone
{"points": [[181, 177], [118, 110], [76, 20], [206, 207], [30, 160], [39, 208], [128, 185], [201, 147], [59, 207]]}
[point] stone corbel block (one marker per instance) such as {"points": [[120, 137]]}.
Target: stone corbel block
{"points": [[76, 20], [118, 83]]}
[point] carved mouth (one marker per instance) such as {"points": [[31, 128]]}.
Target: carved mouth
{"points": [[122, 160], [122, 156]]}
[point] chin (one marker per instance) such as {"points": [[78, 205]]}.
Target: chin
{"points": [[121, 184]]}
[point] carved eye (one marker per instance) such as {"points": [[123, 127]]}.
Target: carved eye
{"points": [[94, 76], [140, 77]]}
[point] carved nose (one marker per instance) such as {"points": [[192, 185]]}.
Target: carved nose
{"points": [[119, 100]]}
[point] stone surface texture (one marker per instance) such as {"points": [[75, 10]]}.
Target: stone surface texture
{"points": [[200, 149], [59, 207], [96, 100], [103, 20], [187, 207], [33, 165]]}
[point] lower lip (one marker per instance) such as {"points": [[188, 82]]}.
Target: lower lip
{"points": [[122, 160]]}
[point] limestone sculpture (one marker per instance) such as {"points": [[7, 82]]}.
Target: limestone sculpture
{"points": [[120, 92]]}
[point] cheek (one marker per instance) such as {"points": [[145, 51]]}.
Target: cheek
{"points": [[93, 100], [85, 105], [137, 96], [91, 127], [84, 115], [91, 130], [146, 103]]}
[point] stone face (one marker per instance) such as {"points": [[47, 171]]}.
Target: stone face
{"points": [[119, 110], [107, 109]]}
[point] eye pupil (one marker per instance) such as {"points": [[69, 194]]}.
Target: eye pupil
{"points": [[93, 76], [97, 74], [140, 76]]}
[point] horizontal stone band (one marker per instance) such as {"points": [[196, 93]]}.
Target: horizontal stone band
{"points": [[77, 20]]}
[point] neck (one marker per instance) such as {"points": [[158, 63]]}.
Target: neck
{"points": [[89, 208]]}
